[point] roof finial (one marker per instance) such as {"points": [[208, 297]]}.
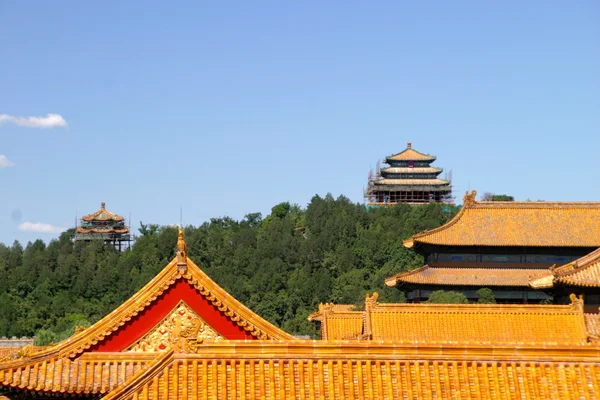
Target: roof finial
{"points": [[103, 205], [469, 199], [409, 145], [181, 253]]}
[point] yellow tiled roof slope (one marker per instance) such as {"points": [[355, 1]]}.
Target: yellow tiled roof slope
{"points": [[526, 224], [341, 371], [476, 323], [468, 323], [338, 321], [102, 215], [410, 154], [583, 272], [464, 276]]}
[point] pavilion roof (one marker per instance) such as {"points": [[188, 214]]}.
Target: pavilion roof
{"points": [[102, 215], [523, 224], [583, 272], [468, 276], [410, 154], [411, 182], [407, 170]]}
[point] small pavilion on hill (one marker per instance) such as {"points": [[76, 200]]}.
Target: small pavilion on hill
{"points": [[184, 337], [510, 247], [104, 226], [408, 178]]}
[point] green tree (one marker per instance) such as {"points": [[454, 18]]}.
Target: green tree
{"points": [[447, 297], [486, 296]]}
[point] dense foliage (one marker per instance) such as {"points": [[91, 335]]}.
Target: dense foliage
{"points": [[281, 266]]}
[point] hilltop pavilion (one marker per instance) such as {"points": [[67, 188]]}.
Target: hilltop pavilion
{"points": [[409, 178]]}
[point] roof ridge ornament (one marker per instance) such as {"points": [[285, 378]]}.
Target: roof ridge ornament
{"points": [[181, 253], [103, 206], [469, 199], [576, 302], [409, 145]]}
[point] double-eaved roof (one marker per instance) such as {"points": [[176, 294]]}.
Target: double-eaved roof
{"points": [[523, 224]]}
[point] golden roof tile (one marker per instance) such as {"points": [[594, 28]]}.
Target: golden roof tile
{"points": [[592, 322], [410, 154], [102, 215], [525, 224], [408, 182], [339, 321], [468, 276], [309, 370], [407, 170], [487, 323]]}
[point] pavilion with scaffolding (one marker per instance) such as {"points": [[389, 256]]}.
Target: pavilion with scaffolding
{"points": [[105, 226], [409, 178]]}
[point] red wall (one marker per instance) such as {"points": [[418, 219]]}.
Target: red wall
{"points": [[160, 308]]}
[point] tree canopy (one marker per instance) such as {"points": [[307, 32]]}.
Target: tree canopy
{"points": [[281, 266]]}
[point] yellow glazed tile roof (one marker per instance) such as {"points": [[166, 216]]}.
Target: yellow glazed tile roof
{"points": [[374, 372], [466, 276], [338, 321], [487, 323], [410, 154], [102, 215], [406, 170], [435, 182], [526, 224], [583, 272], [592, 322]]}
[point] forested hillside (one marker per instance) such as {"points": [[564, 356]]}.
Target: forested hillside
{"points": [[281, 266]]}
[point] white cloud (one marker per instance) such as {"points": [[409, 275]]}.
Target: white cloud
{"points": [[39, 227], [5, 162], [49, 121]]}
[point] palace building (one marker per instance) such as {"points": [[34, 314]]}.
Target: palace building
{"points": [[526, 252], [104, 226], [409, 178], [184, 337]]}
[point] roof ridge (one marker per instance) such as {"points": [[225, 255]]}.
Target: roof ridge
{"points": [[468, 201], [181, 267]]}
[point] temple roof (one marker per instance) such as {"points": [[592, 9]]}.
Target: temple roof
{"points": [[447, 323], [102, 215], [407, 170], [102, 229], [523, 224], [411, 182], [410, 154], [339, 321], [583, 272], [467, 276], [312, 370]]}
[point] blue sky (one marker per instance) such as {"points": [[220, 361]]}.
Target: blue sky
{"points": [[231, 109]]}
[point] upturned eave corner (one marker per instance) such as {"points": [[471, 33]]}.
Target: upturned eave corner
{"points": [[391, 281], [408, 243], [546, 282]]}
